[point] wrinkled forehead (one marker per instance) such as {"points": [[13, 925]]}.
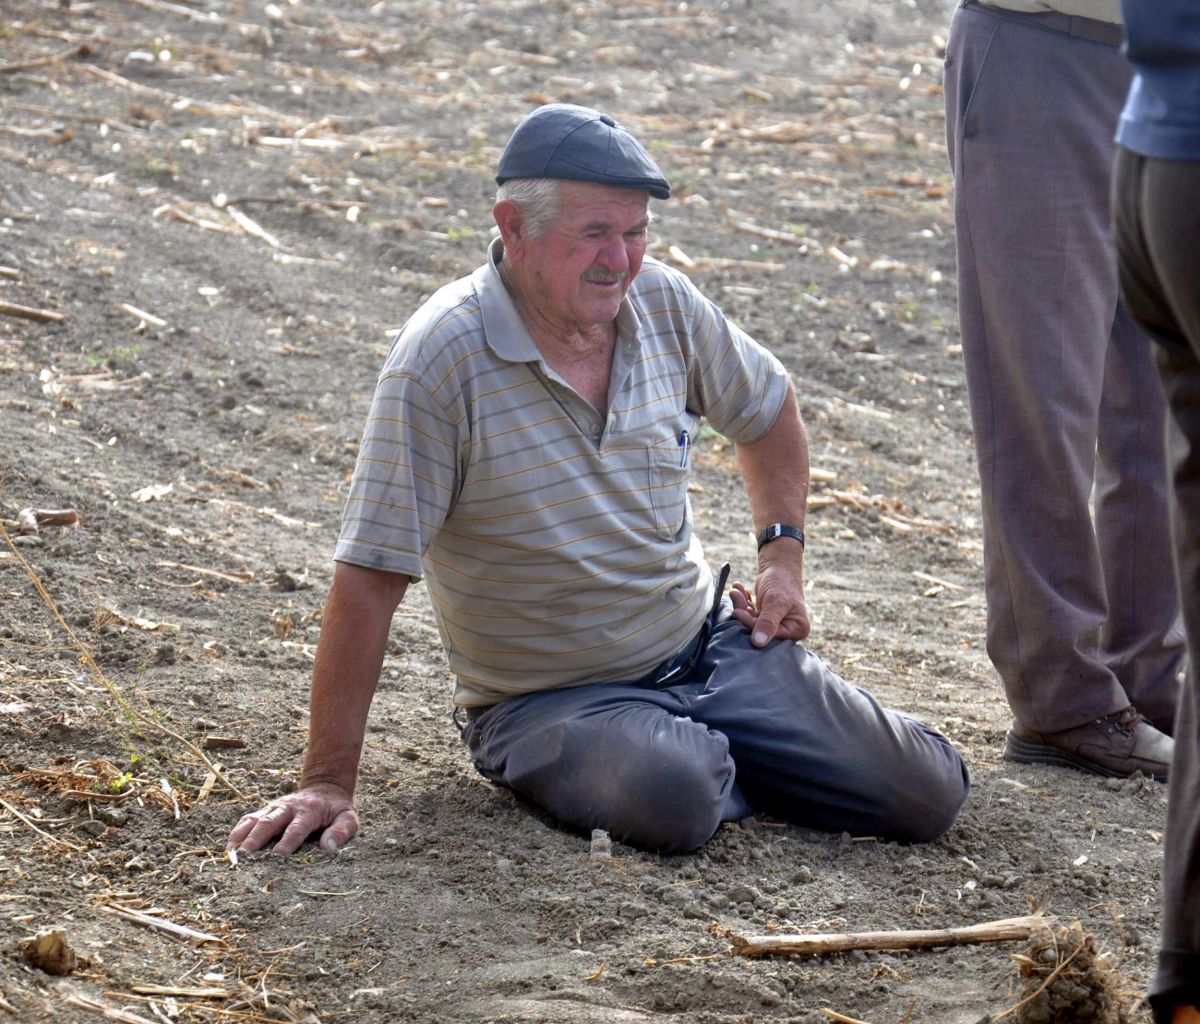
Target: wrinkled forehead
{"points": [[585, 202]]}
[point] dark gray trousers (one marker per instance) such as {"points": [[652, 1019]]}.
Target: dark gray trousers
{"points": [[1156, 211], [1082, 611], [724, 729]]}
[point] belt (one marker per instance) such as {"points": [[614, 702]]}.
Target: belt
{"points": [[1091, 29]]}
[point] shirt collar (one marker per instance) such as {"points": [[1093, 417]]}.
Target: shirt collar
{"points": [[503, 328]]}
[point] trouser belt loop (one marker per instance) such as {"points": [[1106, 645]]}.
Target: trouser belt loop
{"points": [[1095, 31]]}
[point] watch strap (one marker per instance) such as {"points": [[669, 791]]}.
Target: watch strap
{"points": [[777, 530]]}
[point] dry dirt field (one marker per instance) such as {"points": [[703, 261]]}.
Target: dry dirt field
{"points": [[224, 209]]}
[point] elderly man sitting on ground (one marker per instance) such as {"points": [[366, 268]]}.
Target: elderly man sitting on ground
{"points": [[527, 453]]}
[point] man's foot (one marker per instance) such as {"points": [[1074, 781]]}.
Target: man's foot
{"points": [[1115, 746]]}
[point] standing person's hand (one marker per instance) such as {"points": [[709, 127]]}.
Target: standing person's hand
{"points": [[322, 807], [776, 608]]}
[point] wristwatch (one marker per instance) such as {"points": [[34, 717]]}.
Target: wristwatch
{"points": [[777, 530]]}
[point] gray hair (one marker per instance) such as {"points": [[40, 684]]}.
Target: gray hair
{"points": [[538, 199]]}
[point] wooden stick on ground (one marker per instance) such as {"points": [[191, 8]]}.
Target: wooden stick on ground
{"points": [[30, 519], [775, 235], [243, 576], [212, 992], [841, 1018], [106, 1011], [333, 204], [30, 313], [186, 103], [142, 315], [208, 17], [163, 925], [41, 62], [1005, 930], [60, 843], [252, 227]]}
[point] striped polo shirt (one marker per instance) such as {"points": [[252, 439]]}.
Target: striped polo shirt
{"points": [[556, 543]]}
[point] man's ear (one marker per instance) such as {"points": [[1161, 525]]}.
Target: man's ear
{"points": [[507, 215]]}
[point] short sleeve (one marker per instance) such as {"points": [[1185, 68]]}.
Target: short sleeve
{"points": [[732, 380], [404, 480]]}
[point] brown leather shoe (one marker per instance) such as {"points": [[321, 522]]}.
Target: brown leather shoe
{"points": [[1116, 745]]}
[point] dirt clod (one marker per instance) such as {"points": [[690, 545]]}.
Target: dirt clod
{"points": [[50, 951], [1064, 978]]}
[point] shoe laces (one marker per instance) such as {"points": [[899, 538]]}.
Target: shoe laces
{"points": [[1124, 721]]}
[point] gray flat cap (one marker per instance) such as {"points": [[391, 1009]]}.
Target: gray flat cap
{"points": [[562, 140]]}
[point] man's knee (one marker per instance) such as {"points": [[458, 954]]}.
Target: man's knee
{"points": [[661, 784], [675, 799], [924, 800]]}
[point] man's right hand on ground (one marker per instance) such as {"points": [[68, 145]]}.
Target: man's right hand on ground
{"points": [[322, 807]]}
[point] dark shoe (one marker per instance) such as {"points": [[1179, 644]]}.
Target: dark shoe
{"points": [[1116, 745]]}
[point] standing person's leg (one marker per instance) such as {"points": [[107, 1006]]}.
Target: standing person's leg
{"points": [[1179, 958], [1037, 296], [1156, 207], [1142, 640], [817, 751]]}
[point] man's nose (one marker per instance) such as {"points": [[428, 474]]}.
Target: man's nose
{"points": [[614, 256]]}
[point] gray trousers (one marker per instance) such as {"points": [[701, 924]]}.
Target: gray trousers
{"points": [[1082, 610], [1156, 207], [722, 729]]}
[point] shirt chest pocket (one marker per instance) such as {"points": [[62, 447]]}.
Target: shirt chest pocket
{"points": [[669, 466]]}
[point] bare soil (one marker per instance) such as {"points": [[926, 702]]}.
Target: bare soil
{"points": [[233, 205]]}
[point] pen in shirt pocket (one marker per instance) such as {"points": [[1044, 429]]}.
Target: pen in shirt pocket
{"points": [[684, 443]]}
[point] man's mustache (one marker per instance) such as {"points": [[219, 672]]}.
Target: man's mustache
{"points": [[599, 277]]}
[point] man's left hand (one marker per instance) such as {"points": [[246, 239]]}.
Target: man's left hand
{"points": [[776, 608]]}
